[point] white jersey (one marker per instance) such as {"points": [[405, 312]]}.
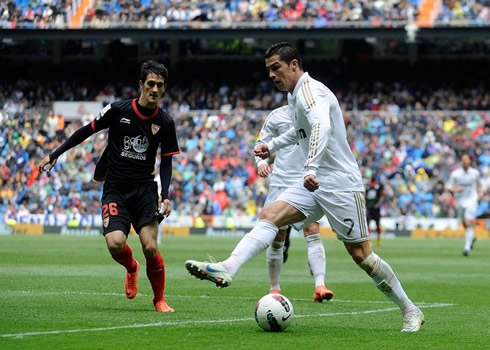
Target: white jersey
{"points": [[469, 181], [289, 161], [320, 130]]}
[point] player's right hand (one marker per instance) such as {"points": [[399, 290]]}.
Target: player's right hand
{"points": [[262, 151], [264, 170], [311, 183], [47, 164]]}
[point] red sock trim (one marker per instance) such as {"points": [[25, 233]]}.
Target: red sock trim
{"points": [[125, 258]]}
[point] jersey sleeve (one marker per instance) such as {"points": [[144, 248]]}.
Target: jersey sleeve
{"points": [[105, 117], [169, 144], [266, 134], [452, 181], [283, 140], [316, 108]]}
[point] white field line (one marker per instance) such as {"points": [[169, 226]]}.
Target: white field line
{"points": [[187, 323], [169, 296]]}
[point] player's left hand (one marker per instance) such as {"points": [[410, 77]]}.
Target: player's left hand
{"points": [[311, 183], [166, 208], [264, 170], [46, 164], [262, 151]]}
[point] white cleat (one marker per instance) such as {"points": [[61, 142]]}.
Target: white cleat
{"points": [[413, 320], [211, 271]]}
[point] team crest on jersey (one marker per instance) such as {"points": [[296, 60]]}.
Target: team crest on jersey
{"points": [[154, 128], [106, 222]]}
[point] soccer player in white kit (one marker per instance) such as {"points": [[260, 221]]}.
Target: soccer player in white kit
{"points": [[332, 185], [465, 184], [287, 171]]}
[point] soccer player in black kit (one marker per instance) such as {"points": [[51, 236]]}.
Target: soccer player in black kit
{"points": [[130, 195], [374, 199]]}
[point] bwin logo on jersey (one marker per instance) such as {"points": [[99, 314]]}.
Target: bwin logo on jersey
{"points": [[139, 143], [301, 134]]}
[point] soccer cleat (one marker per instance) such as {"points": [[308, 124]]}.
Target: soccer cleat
{"points": [[287, 242], [412, 321], [466, 252], [131, 282], [211, 271], [162, 306], [322, 293], [274, 291], [378, 242]]}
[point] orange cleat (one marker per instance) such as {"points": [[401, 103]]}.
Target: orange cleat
{"points": [[162, 306], [322, 293], [131, 283], [274, 291]]}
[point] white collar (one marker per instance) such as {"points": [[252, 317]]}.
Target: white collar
{"points": [[299, 83]]}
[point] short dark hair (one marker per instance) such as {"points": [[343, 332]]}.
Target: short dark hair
{"points": [[154, 67], [286, 53]]}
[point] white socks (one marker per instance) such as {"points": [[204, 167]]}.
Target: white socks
{"points": [[253, 243], [316, 258], [386, 281], [469, 236], [275, 257]]}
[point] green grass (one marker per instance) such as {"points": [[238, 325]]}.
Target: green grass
{"points": [[59, 292]]}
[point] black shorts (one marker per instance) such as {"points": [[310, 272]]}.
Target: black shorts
{"points": [[373, 214], [124, 205]]}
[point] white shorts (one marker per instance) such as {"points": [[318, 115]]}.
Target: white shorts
{"points": [[467, 213], [345, 211], [274, 192]]}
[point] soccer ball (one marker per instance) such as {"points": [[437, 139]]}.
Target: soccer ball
{"points": [[274, 312]]}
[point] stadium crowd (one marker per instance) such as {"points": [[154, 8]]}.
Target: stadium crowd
{"points": [[274, 14], [407, 140]]}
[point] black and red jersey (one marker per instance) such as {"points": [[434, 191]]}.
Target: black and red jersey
{"points": [[374, 192], [133, 142]]}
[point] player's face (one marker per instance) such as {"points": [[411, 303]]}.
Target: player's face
{"points": [[152, 90], [282, 73], [465, 161]]}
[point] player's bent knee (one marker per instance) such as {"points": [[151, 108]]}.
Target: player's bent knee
{"points": [[115, 241], [311, 229], [150, 250], [359, 251]]}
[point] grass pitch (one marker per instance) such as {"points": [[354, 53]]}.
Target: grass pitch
{"points": [[60, 292]]}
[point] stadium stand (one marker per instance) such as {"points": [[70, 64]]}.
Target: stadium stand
{"points": [[237, 13]]}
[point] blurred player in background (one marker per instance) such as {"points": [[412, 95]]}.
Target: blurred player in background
{"points": [[374, 200], [332, 185], [465, 184], [287, 171], [130, 197]]}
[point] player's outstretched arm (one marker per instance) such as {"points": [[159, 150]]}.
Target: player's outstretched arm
{"points": [[48, 162]]}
